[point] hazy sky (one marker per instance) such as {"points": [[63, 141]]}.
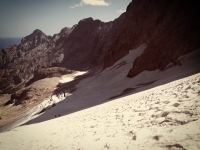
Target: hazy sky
{"points": [[19, 18]]}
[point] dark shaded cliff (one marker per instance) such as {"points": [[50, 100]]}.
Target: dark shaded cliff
{"points": [[89, 42], [170, 28]]}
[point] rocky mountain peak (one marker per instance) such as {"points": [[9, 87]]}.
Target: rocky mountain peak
{"points": [[65, 30], [90, 19], [38, 32], [35, 39], [59, 38], [89, 42]]}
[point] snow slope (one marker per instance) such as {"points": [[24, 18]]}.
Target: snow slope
{"points": [[160, 118], [112, 83], [164, 117]]}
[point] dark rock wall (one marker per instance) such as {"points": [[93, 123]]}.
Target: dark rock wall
{"points": [[170, 28], [89, 42]]}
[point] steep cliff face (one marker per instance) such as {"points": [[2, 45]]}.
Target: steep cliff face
{"points": [[170, 29], [62, 36], [81, 47], [89, 42]]}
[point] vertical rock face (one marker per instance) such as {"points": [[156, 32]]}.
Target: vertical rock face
{"points": [[63, 35], [170, 29], [89, 42], [77, 48]]}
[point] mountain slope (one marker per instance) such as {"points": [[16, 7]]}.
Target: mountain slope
{"points": [[112, 83], [165, 117], [144, 94], [98, 87], [169, 28], [89, 42], [81, 47]]}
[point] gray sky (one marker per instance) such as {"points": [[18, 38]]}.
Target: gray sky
{"points": [[19, 18]]}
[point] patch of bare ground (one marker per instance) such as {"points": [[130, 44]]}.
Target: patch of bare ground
{"points": [[12, 107]]}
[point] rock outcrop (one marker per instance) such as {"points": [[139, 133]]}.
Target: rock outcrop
{"points": [[170, 29]]}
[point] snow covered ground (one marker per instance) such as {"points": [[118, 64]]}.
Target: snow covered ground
{"points": [[112, 83], [110, 111], [163, 117]]}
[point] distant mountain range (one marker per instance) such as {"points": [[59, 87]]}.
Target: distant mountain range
{"points": [[5, 42]]}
